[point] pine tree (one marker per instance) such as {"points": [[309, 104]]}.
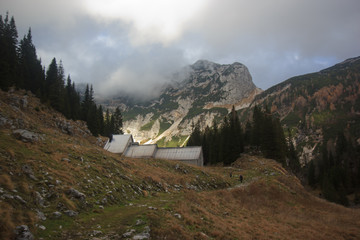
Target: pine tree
{"points": [[311, 174], [257, 127], [32, 75], [225, 139], [54, 85], [294, 163], [8, 53], [196, 136], [206, 144], [235, 141], [117, 121], [247, 135], [214, 140], [100, 120], [87, 102], [75, 103], [107, 126], [92, 120]]}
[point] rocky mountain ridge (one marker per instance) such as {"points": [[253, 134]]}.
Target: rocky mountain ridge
{"points": [[208, 92]]}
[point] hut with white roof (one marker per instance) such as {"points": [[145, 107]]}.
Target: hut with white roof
{"points": [[124, 144], [141, 151], [119, 143], [190, 155]]}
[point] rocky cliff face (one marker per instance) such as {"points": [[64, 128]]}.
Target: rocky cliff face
{"points": [[207, 93]]}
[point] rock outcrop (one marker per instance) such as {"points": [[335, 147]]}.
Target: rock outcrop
{"points": [[208, 92]]}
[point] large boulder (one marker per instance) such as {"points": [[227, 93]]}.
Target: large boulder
{"points": [[76, 194], [26, 136]]}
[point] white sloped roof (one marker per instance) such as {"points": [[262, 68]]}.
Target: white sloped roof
{"points": [[119, 143], [141, 151], [186, 153]]}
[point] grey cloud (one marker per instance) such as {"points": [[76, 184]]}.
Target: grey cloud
{"points": [[265, 34], [143, 73], [274, 39]]}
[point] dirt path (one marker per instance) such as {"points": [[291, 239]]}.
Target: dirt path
{"points": [[243, 185]]}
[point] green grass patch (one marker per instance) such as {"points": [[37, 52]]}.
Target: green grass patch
{"points": [[148, 126], [321, 118], [55, 227], [292, 119], [164, 126], [176, 141]]}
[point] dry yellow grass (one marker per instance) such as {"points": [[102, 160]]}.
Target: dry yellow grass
{"points": [[275, 207], [5, 181], [270, 204]]}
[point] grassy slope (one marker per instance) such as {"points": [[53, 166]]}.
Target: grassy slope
{"points": [[269, 204]]}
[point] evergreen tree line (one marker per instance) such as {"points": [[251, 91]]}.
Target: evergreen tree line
{"points": [[264, 133], [220, 144], [337, 173], [21, 68]]}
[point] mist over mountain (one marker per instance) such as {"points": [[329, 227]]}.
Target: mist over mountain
{"points": [[205, 90]]}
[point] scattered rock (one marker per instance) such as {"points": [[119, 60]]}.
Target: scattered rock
{"points": [[139, 222], [27, 169], [95, 232], [144, 235], [65, 160], [100, 142], [40, 215], [57, 214], [39, 200], [24, 101], [104, 201], [71, 213], [4, 121], [65, 127], [181, 169], [128, 233], [8, 196], [20, 199], [26, 136], [23, 233], [42, 227], [76, 194]]}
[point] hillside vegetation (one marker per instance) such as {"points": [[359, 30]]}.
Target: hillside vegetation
{"points": [[56, 179], [320, 113]]}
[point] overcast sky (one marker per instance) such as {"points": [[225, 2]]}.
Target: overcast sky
{"points": [[135, 45]]}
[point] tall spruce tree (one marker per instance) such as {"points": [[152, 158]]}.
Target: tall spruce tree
{"points": [[196, 136], [117, 120], [32, 75], [107, 126], [8, 53], [54, 85]]}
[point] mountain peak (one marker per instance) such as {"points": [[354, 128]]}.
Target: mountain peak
{"points": [[203, 64]]}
